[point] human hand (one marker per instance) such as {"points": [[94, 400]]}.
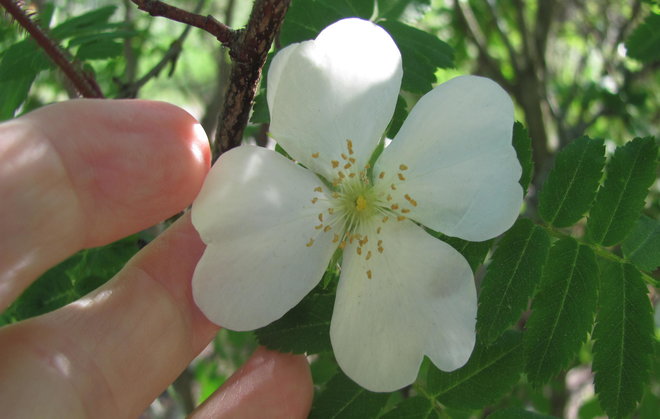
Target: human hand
{"points": [[85, 173]]}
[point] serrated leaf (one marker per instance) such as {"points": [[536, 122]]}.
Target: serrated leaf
{"points": [[562, 310], [518, 413], [73, 278], [13, 93], [619, 201], [417, 407], [644, 43], [473, 252], [22, 59], [304, 329], [523, 145], [623, 337], [571, 185], [344, 399], [642, 246], [422, 54], [490, 373], [512, 275]]}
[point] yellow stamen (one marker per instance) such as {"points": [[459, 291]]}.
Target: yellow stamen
{"points": [[315, 155], [369, 274], [334, 164], [360, 203], [403, 167], [310, 243]]}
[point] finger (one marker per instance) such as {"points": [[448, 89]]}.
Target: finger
{"points": [[270, 384], [87, 172], [113, 352]]}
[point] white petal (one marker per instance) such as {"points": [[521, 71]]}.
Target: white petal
{"points": [[421, 299], [342, 85], [256, 216], [462, 169]]}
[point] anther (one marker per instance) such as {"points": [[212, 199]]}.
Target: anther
{"points": [[351, 175], [318, 189], [331, 210], [314, 200], [368, 255], [403, 167], [310, 243], [378, 230], [395, 207], [335, 238], [401, 177], [315, 155], [327, 228], [347, 166], [359, 250], [400, 218], [389, 197], [342, 244], [369, 274], [334, 163], [318, 227], [380, 249], [320, 216], [385, 218], [381, 175], [352, 160], [344, 156], [393, 187], [405, 210]]}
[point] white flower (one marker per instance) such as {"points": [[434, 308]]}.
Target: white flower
{"points": [[272, 226]]}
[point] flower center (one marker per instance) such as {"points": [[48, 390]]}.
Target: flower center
{"points": [[357, 208]]}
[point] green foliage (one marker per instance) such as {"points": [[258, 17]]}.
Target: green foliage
{"points": [[623, 339], [619, 201], [71, 279], [400, 114], [422, 54], [642, 246], [416, 407], [511, 278], [489, 374], [344, 399], [523, 145], [304, 329], [571, 186], [644, 43], [473, 252], [517, 413], [562, 311]]}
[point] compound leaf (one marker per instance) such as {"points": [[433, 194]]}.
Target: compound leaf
{"points": [[342, 398], [642, 246]]}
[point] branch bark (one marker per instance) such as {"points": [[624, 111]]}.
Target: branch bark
{"points": [[83, 83], [249, 57]]}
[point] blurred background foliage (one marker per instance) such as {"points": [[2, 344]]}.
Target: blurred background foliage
{"points": [[573, 68]]}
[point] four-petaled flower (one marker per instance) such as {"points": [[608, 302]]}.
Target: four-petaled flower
{"points": [[272, 225]]}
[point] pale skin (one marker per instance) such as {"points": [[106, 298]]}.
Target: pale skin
{"points": [[84, 173]]}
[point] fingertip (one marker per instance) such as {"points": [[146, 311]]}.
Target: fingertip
{"points": [[271, 384]]}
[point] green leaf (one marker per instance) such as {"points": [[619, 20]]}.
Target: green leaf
{"points": [[306, 18], [23, 59], [304, 329], [400, 115], [72, 279], [623, 335], [344, 399], [517, 413], [562, 311], [417, 407], [489, 374], [260, 113], [100, 49], [642, 246], [473, 252], [422, 54], [94, 20], [13, 93], [621, 198], [571, 185], [512, 275], [523, 145], [394, 9], [644, 43]]}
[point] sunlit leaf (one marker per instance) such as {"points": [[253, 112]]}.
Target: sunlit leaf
{"points": [[623, 339], [422, 55], [621, 198], [644, 43], [343, 398], [512, 275], [562, 311], [571, 185], [490, 373]]}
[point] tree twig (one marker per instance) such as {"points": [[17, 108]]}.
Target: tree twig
{"points": [[222, 32], [83, 82], [249, 57]]}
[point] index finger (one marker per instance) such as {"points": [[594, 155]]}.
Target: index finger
{"points": [[87, 172]]}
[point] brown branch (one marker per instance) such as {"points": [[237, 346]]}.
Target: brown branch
{"points": [[83, 82], [249, 57], [222, 32]]}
